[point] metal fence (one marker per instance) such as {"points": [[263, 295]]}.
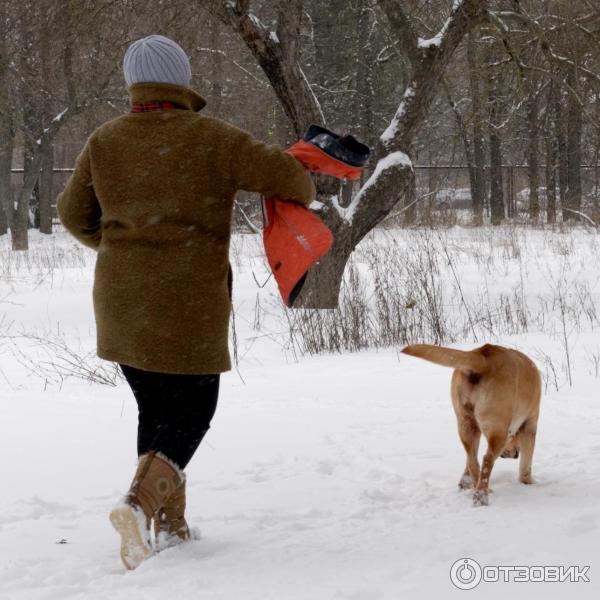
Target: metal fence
{"points": [[450, 185], [445, 186]]}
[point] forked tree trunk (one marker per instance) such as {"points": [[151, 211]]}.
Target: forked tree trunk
{"points": [[20, 215], [393, 177]]}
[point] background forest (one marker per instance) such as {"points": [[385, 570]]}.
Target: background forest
{"points": [[487, 110]]}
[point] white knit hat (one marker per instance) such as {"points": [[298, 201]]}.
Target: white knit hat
{"points": [[156, 59]]}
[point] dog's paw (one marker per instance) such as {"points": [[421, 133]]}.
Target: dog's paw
{"points": [[465, 483], [480, 498], [526, 479], [510, 453]]}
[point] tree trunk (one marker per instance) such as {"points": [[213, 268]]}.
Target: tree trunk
{"points": [[19, 229], [551, 157], [479, 172], [19, 222], [550, 180], [44, 187], [595, 196], [45, 191], [33, 213], [497, 210], [563, 158], [470, 159], [533, 161], [478, 169], [6, 134], [216, 65], [324, 280], [367, 61], [409, 208], [574, 129], [6, 156], [3, 218], [5, 181], [6, 152]]}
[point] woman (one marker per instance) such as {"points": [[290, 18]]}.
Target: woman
{"points": [[153, 193]]}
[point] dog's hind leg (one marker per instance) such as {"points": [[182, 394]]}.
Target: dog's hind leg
{"points": [[511, 450], [527, 443], [470, 435], [496, 441]]}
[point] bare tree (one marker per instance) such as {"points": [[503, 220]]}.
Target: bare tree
{"points": [[42, 112], [393, 177]]}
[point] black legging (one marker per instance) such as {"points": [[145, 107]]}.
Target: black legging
{"points": [[174, 411]]}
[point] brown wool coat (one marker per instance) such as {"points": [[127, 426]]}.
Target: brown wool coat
{"points": [[153, 194]]}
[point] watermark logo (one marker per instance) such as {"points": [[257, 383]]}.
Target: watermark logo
{"points": [[467, 573]]}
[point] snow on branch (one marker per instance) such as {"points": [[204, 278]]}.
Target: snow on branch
{"points": [[388, 135], [436, 40], [394, 160], [256, 22], [53, 127], [316, 100], [260, 26]]}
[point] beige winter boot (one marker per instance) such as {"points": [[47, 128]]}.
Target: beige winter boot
{"points": [[170, 526], [154, 482]]}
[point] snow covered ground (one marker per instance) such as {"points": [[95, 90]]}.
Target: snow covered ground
{"points": [[325, 477]]}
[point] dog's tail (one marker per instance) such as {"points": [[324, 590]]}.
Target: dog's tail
{"points": [[473, 362]]}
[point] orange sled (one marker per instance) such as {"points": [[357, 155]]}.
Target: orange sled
{"points": [[294, 237]]}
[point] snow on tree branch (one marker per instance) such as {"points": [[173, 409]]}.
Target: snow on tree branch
{"points": [[52, 129], [390, 133], [430, 65], [436, 40], [428, 61], [394, 160]]}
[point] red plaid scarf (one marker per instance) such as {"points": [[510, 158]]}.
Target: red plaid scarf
{"points": [[138, 107]]}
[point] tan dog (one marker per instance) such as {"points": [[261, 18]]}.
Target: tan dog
{"points": [[495, 391]]}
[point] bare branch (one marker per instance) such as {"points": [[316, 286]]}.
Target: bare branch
{"points": [[401, 27]]}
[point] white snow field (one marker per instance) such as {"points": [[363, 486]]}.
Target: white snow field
{"points": [[323, 477]]}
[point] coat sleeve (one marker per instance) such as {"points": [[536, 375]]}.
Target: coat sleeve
{"points": [[78, 207], [265, 168]]}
